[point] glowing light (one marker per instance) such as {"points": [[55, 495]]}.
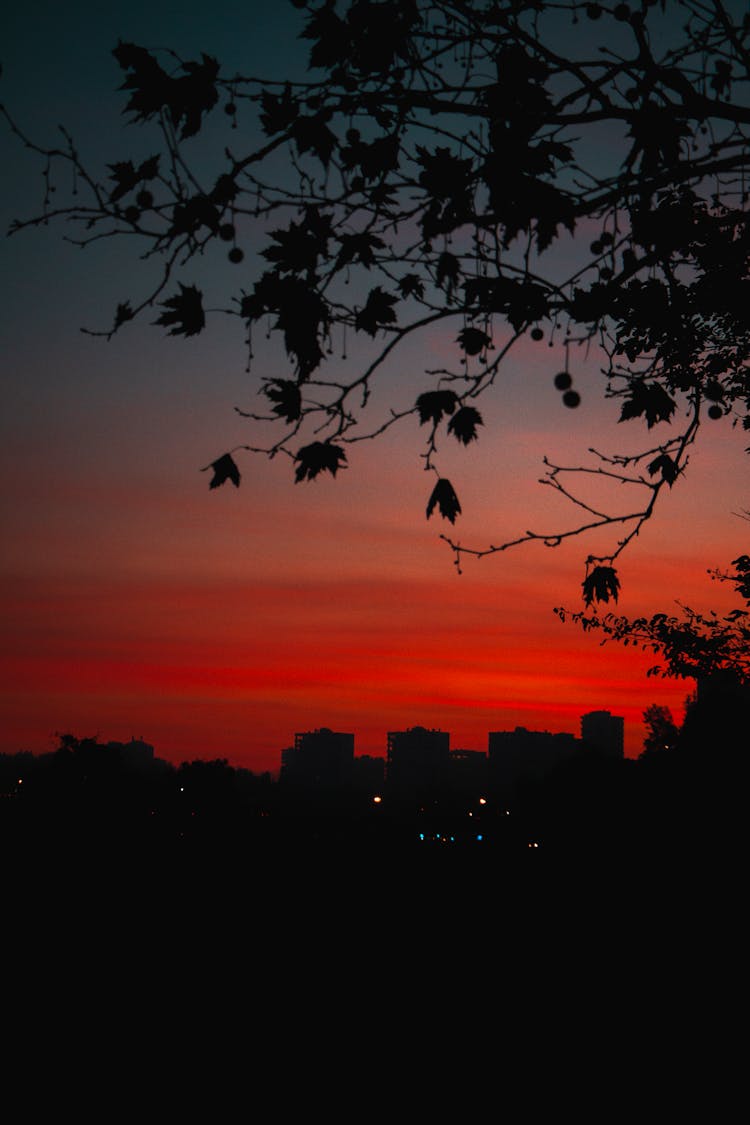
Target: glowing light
{"points": [[377, 800]]}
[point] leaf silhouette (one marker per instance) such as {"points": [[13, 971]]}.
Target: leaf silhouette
{"points": [[473, 340], [318, 457], [297, 249], [184, 311], [303, 316], [666, 466], [127, 176], [650, 399], [123, 314], [374, 159], [601, 584], [448, 270], [411, 285], [464, 424], [432, 405], [278, 113], [287, 397], [224, 469], [311, 134], [378, 310], [148, 82], [187, 97], [359, 248], [197, 212], [446, 500]]}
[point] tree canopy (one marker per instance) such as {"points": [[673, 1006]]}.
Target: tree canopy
{"points": [[574, 173]]}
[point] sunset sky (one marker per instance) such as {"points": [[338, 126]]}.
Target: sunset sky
{"points": [[218, 623]]}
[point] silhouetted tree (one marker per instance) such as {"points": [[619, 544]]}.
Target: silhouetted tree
{"points": [[569, 172], [662, 732], [690, 644]]}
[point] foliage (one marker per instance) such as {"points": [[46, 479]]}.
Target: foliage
{"points": [[444, 165], [662, 733], [690, 644]]}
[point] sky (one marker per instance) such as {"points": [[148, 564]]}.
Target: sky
{"points": [[136, 602]]}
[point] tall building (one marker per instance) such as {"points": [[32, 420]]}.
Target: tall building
{"points": [[417, 759], [319, 759], [521, 755], [604, 732]]}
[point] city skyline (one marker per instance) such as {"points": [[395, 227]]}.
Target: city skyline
{"points": [[215, 621]]}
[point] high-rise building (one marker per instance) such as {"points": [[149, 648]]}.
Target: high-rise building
{"points": [[604, 733], [521, 755], [417, 758], [319, 758]]}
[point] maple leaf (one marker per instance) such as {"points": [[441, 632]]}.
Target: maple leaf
{"points": [[125, 176], [446, 500], [278, 113], [303, 316], [224, 190], [650, 399], [444, 175], [448, 270], [433, 404], [224, 469], [297, 250], [187, 97], [317, 457], [193, 94], [123, 314], [601, 584], [464, 424], [377, 311], [197, 212], [522, 302], [411, 286], [373, 159], [287, 397], [358, 248], [666, 466], [331, 36], [184, 311], [473, 340], [311, 134], [146, 79]]}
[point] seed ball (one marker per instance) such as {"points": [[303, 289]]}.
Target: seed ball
{"points": [[132, 214], [571, 399], [230, 109], [537, 334], [594, 11], [226, 232], [563, 381], [715, 411], [621, 12], [235, 254], [144, 199]]}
